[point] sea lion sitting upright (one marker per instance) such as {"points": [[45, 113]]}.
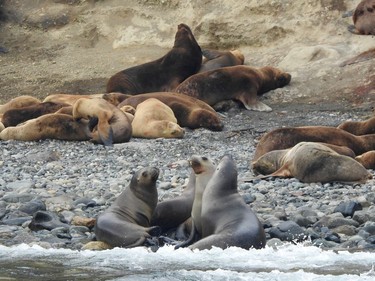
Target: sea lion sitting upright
{"points": [[18, 102], [359, 128], [315, 162], [288, 137], [126, 223], [154, 119], [241, 83], [163, 74], [48, 126], [216, 59], [227, 221], [364, 18], [113, 125]]}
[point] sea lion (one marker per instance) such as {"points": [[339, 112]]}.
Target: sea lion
{"points": [[315, 162], [359, 128], [2, 127], [227, 221], [126, 223], [216, 59], [113, 125], [288, 137], [48, 126], [69, 98], [18, 102], [115, 98], [367, 159], [15, 116], [171, 213], [241, 83], [190, 112], [163, 74], [270, 162], [203, 168], [364, 56], [364, 18], [154, 119]]}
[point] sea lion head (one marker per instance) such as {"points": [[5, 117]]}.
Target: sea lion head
{"points": [[145, 177], [201, 164], [184, 37]]}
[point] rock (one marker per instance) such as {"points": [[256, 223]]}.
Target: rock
{"points": [[82, 221], [287, 231], [33, 206], [46, 220], [348, 208]]}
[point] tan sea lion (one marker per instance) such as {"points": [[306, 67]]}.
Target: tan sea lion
{"points": [[69, 98], [113, 125], [18, 102], [227, 221], [288, 137], [203, 168], [154, 119], [126, 223], [163, 74], [115, 98], [367, 159], [270, 162], [15, 116], [2, 127], [216, 59], [241, 83], [190, 112], [364, 18], [315, 162], [359, 128], [48, 126]]}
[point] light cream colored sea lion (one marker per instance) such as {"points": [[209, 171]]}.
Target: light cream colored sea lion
{"points": [[48, 126], [227, 221], [315, 162], [126, 223], [154, 119], [364, 18], [367, 159], [288, 137], [2, 127], [112, 126], [241, 83], [69, 98], [359, 128], [19, 102], [214, 59]]}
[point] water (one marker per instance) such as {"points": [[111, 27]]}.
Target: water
{"points": [[290, 262]]}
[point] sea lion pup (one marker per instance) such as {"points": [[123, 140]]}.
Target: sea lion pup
{"points": [[126, 223], [359, 128], [367, 159], [48, 126], [190, 112], [163, 74], [171, 213], [154, 119], [364, 18], [227, 221], [271, 161], [315, 162], [113, 125], [216, 59], [18, 102], [364, 56], [288, 137], [69, 98], [203, 168], [15, 116], [241, 83]]}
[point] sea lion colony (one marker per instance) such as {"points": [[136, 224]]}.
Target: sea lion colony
{"points": [[108, 119]]}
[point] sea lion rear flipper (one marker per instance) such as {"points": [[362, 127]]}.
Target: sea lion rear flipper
{"points": [[192, 238], [211, 54]]}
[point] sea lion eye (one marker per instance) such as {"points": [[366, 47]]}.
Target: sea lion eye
{"points": [[370, 9], [204, 158]]}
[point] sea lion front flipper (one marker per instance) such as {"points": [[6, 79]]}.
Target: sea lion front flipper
{"points": [[283, 172], [211, 54], [353, 29], [105, 133], [250, 101], [257, 106]]}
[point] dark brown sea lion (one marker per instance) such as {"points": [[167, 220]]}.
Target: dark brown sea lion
{"points": [[48, 126], [359, 128], [18, 102], [169, 214], [190, 112], [315, 162], [227, 221], [364, 18], [13, 117], [216, 59], [163, 74], [126, 223], [367, 159], [113, 125], [288, 137], [241, 83]]}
